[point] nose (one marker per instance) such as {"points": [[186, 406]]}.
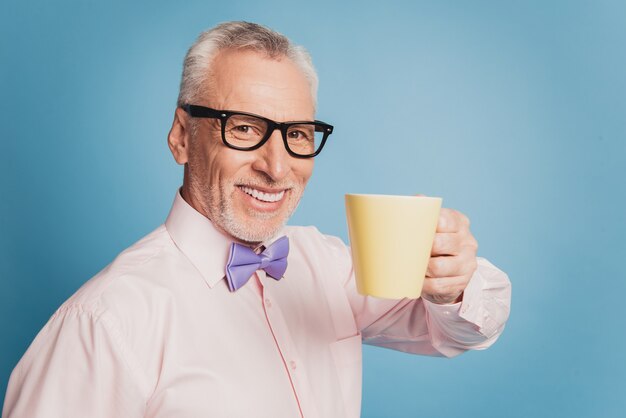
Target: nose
{"points": [[273, 159]]}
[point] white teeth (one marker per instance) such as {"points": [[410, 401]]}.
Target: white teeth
{"points": [[264, 197]]}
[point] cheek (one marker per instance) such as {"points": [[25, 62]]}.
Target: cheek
{"points": [[304, 169], [227, 166], [211, 159], [202, 166]]}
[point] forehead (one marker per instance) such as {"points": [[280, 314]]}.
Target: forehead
{"points": [[252, 82]]}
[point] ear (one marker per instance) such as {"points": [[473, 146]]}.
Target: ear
{"points": [[179, 136]]}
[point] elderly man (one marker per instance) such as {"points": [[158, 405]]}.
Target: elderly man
{"points": [[174, 328]]}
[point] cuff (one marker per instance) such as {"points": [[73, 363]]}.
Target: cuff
{"points": [[443, 310]]}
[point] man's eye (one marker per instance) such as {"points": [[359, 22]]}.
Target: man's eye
{"points": [[243, 129], [298, 135]]}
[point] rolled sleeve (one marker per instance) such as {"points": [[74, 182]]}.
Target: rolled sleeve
{"points": [[477, 321]]}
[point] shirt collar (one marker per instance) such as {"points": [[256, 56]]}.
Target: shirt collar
{"points": [[198, 239]]}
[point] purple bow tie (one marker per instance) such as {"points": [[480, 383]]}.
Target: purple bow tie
{"points": [[243, 262]]}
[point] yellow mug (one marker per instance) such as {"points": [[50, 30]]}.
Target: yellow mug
{"points": [[391, 238]]}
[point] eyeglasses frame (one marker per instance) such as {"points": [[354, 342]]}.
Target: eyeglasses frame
{"points": [[197, 111]]}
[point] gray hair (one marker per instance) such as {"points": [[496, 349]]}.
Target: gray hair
{"points": [[238, 35]]}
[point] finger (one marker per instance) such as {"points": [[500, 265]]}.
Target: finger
{"points": [[442, 285], [446, 243], [450, 266], [469, 244], [447, 289], [451, 220]]}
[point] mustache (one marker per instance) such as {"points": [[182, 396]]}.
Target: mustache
{"points": [[267, 183]]}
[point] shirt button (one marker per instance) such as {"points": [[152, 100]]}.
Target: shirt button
{"points": [[268, 303], [292, 364]]}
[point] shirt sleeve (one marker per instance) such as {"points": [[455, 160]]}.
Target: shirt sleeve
{"points": [[78, 366], [422, 327]]}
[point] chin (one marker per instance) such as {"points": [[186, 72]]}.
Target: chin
{"points": [[255, 228], [256, 236], [249, 224]]}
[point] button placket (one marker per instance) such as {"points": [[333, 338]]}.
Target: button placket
{"points": [[294, 368], [279, 331]]}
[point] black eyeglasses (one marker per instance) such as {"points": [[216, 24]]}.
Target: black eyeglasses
{"points": [[247, 131]]}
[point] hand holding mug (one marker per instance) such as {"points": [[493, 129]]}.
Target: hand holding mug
{"points": [[453, 259]]}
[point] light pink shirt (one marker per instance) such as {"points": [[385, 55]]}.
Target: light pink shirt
{"points": [[157, 333]]}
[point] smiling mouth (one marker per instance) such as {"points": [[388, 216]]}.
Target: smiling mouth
{"points": [[263, 196]]}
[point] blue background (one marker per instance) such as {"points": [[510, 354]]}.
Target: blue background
{"points": [[513, 112]]}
